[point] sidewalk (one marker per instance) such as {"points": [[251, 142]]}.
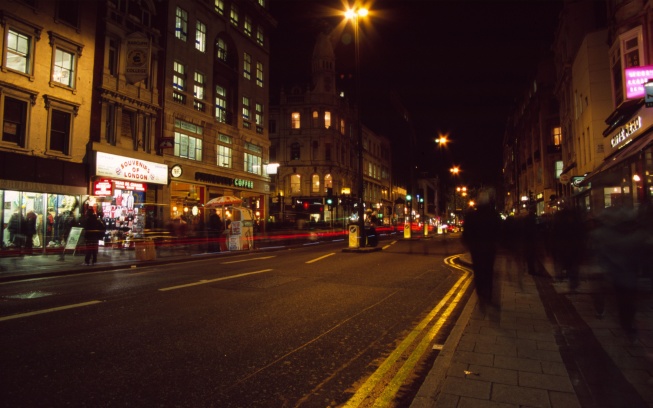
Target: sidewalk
{"points": [[545, 347]]}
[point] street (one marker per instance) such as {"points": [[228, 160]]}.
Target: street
{"points": [[310, 327]]}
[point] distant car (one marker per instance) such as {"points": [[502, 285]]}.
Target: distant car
{"points": [[453, 228]]}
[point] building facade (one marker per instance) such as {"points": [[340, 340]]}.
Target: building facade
{"points": [[46, 89], [313, 133], [140, 110]]}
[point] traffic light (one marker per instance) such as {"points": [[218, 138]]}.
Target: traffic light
{"points": [[421, 203], [305, 204], [409, 197]]}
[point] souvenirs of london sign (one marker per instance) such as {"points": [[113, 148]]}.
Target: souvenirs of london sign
{"points": [[130, 169]]}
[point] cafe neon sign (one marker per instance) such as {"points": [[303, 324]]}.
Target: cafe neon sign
{"points": [[626, 131]]}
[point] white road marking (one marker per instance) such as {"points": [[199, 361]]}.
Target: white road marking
{"points": [[322, 257], [54, 309], [205, 281], [247, 260]]}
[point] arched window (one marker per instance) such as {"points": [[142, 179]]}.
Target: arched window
{"points": [[328, 182], [295, 184], [221, 49], [315, 183]]}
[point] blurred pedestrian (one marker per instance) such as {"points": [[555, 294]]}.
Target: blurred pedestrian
{"points": [[529, 238], [568, 242], [214, 227], [617, 240], [94, 230], [481, 236], [30, 230]]}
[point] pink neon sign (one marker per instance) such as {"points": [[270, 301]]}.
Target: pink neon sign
{"points": [[636, 77]]}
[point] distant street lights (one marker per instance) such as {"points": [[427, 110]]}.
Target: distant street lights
{"points": [[354, 14]]}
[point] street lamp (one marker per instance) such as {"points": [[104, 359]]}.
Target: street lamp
{"points": [[354, 14]]}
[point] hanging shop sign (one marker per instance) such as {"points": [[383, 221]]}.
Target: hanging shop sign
{"points": [[226, 181], [176, 171], [626, 132], [130, 169], [102, 188], [636, 77], [138, 57]]}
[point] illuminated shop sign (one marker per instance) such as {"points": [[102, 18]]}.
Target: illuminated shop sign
{"points": [[626, 131], [636, 77], [130, 169], [226, 181], [102, 187], [129, 185]]}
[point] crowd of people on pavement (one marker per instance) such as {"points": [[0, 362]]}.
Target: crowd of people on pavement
{"points": [[613, 249]]}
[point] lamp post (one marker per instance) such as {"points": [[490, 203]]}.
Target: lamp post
{"points": [[354, 15]]}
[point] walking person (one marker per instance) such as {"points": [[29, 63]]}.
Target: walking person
{"points": [[94, 229], [568, 244], [214, 227], [481, 236]]}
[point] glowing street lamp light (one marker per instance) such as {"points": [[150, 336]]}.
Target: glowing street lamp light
{"points": [[354, 14], [455, 170]]}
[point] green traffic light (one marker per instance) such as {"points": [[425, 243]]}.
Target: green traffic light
{"points": [[409, 197]]}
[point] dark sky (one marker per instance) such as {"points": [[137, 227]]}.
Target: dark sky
{"points": [[455, 66]]}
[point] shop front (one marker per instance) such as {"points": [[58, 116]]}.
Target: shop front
{"points": [[126, 194], [41, 200], [625, 177], [192, 187]]}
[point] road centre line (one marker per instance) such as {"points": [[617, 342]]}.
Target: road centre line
{"points": [[322, 257], [205, 281], [247, 260], [389, 245], [364, 391], [54, 309]]}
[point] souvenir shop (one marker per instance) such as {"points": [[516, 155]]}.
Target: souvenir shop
{"points": [[125, 193]]}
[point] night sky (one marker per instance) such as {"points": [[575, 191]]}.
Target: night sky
{"points": [[455, 67]]}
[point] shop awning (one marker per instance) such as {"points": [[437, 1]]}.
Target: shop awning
{"points": [[622, 154], [622, 114]]}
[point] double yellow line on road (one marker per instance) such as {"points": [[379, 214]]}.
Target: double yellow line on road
{"points": [[450, 301]]}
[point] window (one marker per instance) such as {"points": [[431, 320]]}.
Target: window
{"points": [[14, 121], [112, 61], [233, 15], [219, 6], [342, 126], [328, 182], [253, 163], [247, 66], [315, 183], [60, 131], [261, 3], [68, 12], [259, 74], [64, 60], [60, 125], [200, 36], [224, 156], [259, 117], [296, 184], [221, 49], [246, 108], [178, 82], [327, 151], [294, 120], [557, 136], [294, 151], [220, 104], [19, 52], [259, 36], [327, 119], [198, 91], [188, 147], [247, 26], [181, 24], [627, 52], [316, 118], [64, 68]]}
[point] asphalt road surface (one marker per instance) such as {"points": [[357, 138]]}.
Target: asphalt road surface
{"points": [[309, 327]]}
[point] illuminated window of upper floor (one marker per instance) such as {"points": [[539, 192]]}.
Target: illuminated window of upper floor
{"points": [[200, 36], [247, 26], [219, 6], [557, 136], [626, 52], [327, 119], [233, 15], [181, 24], [295, 120]]}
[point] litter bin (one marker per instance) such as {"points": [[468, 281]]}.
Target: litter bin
{"points": [[371, 238], [145, 250]]}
